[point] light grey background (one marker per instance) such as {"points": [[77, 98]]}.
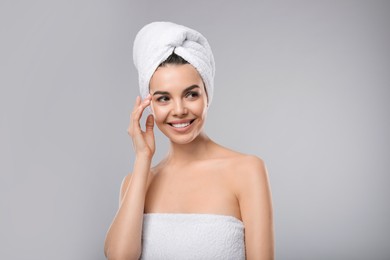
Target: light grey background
{"points": [[303, 84]]}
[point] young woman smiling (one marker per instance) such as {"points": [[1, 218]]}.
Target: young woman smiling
{"points": [[203, 201]]}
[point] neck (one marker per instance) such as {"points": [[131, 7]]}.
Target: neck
{"points": [[184, 153]]}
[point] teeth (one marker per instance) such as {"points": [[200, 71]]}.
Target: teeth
{"points": [[181, 125]]}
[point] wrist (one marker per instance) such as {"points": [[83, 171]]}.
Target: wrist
{"points": [[143, 157]]}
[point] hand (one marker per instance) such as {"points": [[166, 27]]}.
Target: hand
{"points": [[143, 141]]}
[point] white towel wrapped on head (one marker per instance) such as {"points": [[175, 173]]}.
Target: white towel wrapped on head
{"points": [[156, 41]]}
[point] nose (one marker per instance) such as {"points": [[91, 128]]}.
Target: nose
{"points": [[180, 108]]}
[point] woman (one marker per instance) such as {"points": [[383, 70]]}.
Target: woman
{"points": [[203, 201]]}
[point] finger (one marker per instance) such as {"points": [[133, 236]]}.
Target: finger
{"points": [[136, 105], [137, 102], [137, 114], [149, 96], [149, 123], [140, 109]]}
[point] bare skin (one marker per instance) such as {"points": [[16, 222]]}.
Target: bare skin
{"points": [[197, 176]]}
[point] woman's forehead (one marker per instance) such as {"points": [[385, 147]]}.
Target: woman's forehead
{"points": [[175, 78]]}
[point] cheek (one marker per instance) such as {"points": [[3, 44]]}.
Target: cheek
{"points": [[199, 108], [159, 113]]}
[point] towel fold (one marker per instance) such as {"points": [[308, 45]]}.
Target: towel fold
{"points": [[192, 236], [156, 41]]}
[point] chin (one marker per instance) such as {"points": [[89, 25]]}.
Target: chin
{"points": [[182, 139]]}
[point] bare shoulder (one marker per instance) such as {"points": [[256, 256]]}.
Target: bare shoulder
{"points": [[127, 179], [245, 163], [252, 166], [241, 165], [238, 160], [248, 161], [249, 172], [248, 179]]}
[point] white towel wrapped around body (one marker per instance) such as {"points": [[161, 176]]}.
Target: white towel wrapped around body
{"points": [[156, 41], [192, 236]]}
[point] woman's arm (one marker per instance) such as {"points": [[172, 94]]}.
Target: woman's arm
{"points": [[123, 239], [256, 209]]}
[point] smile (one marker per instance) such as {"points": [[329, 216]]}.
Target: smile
{"points": [[181, 124]]}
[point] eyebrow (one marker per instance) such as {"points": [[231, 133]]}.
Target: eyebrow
{"points": [[167, 93]]}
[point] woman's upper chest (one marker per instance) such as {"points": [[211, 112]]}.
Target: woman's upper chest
{"points": [[193, 188]]}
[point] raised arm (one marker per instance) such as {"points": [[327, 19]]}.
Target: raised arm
{"points": [[123, 239]]}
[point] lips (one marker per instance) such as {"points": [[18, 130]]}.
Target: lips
{"points": [[181, 123]]}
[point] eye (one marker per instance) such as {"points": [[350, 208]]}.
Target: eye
{"points": [[163, 99], [192, 94]]}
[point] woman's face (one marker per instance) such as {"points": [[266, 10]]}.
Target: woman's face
{"points": [[179, 102]]}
